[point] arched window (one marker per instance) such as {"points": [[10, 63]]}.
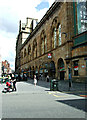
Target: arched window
{"points": [[34, 48], [54, 33], [29, 49], [29, 52], [43, 43], [42, 46], [59, 34], [54, 38]]}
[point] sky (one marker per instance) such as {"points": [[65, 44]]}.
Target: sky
{"points": [[11, 12]]}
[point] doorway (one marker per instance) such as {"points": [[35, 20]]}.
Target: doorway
{"points": [[61, 75], [61, 69]]}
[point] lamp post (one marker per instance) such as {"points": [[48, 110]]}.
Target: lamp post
{"points": [[69, 72], [67, 62]]}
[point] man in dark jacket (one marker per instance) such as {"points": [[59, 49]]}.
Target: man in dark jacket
{"points": [[14, 82]]}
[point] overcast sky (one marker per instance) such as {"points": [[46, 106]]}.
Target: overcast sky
{"points": [[11, 12]]}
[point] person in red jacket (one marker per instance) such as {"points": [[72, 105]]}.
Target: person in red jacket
{"points": [[9, 86]]}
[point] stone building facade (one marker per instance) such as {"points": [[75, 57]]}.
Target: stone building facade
{"points": [[24, 31], [5, 67], [79, 57], [50, 47]]}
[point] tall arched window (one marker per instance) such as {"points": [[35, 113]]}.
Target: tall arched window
{"points": [[54, 33], [29, 49], [42, 46], [59, 34], [54, 38], [35, 48], [29, 52], [43, 43]]}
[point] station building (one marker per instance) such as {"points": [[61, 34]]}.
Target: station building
{"points": [[57, 46]]}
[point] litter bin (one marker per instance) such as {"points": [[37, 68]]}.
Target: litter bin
{"points": [[54, 85]]}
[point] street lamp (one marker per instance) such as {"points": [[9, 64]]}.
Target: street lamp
{"points": [[67, 59]]}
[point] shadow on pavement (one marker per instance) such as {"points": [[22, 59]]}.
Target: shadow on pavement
{"points": [[77, 103]]}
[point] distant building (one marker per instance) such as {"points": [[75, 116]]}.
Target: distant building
{"points": [[25, 30], [5, 67]]}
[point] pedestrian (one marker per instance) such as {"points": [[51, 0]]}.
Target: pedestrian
{"points": [[47, 78], [35, 80], [40, 77], [19, 77], [37, 77], [14, 82], [70, 79], [25, 77]]}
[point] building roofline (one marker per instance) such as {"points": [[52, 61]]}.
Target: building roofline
{"points": [[44, 18]]}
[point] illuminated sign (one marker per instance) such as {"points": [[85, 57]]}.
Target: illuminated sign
{"points": [[49, 55]]}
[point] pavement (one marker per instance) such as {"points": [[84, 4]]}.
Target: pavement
{"points": [[63, 85]]}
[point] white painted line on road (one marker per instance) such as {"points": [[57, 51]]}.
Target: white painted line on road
{"points": [[61, 96], [53, 93]]}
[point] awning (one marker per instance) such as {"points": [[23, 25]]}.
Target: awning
{"points": [[75, 67], [62, 69]]}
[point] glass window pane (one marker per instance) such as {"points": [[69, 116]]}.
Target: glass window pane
{"points": [[42, 46], [81, 16], [55, 40], [59, 33], [45, 44]]}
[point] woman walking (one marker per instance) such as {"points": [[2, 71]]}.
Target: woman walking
{"points": [[35, 80]]}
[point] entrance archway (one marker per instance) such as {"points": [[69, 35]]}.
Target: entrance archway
{"points": [[61, 69], [52, 69]]}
